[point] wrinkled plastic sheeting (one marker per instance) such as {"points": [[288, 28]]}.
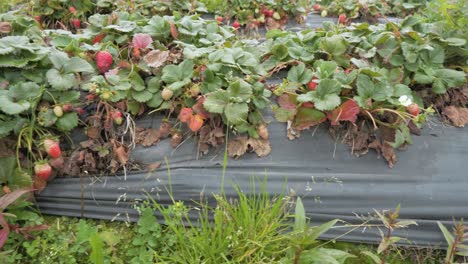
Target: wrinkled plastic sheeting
{"points": [[430, 181]]}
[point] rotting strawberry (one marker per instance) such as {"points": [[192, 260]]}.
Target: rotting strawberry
{"points": [[219, 19], [316, 7], [72, 9], [42, 169], [52, 148], [342, 18], [413, 109], [185, 114], [236, 24], [312, 85], [117, 117], [57, 163], [195, 123], [79, 111], [167, 94], [262, 131], [58, 111], [104, 61], [76, 23], [176, 139]]}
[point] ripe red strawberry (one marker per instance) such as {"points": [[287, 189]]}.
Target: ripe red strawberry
{"points": [[117, 117], [219, 19], [38, 19], [167, 94], [342, 18], [52, 148], [413, 109], [312, 85], [104, 61], [268, 12], [98, 38], [42, 170], [236, 24], [76, 23], [195, 123], [72, 9], [185, 114], [316, 7], [58, 111], [348, 70], [262, 131]]}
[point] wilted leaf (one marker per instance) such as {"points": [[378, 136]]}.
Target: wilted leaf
{"points": [[141, 41], [348, 111]]}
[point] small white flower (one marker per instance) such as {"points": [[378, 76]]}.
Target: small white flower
{"points": [[405, 100]]}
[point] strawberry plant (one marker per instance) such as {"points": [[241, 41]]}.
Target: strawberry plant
{"points": [[369, 10], [375, 73]]}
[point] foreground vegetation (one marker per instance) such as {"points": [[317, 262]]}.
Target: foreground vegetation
{"points": [[254, 228]]}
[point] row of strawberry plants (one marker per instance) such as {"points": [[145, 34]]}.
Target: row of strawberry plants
{"points": [[370, 10], [123, 65], [119, 67], [252, 14], [379, 74]]}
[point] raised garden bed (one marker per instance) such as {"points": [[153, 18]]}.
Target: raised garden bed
{"points": [[370, 86]]}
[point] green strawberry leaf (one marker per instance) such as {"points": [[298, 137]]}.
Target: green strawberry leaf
{"points": [[60, 81], [142, 96], [216, 102], [8, 106], [75, 65], [236, 113], [240, 89], [155, 101], [334, 45], [67, 122], [300, 74]]}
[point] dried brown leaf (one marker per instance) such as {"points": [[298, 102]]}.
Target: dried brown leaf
{"points": [[260, 146], [237, 147], [153, 166], [388, 152], [457, 115], [5, 27], [156, 58]]}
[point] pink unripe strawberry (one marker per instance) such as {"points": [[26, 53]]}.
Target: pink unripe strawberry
{"points": [[42, 170], [413, 109]]}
